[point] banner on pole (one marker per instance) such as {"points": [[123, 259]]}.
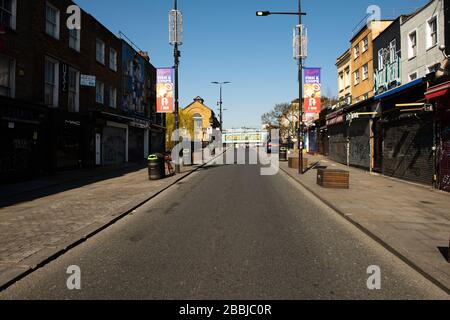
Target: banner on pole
{"points": [[312, 90], [165, 90]]}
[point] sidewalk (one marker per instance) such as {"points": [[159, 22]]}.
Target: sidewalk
{"points": [[410, 220], [37, 231]]}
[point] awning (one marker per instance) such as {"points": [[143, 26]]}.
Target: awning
{"points": [[438, 91], [399, 89]]}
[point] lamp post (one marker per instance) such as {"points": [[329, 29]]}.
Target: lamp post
{"points": [[220, 102], [176, 39], [299, 54]]}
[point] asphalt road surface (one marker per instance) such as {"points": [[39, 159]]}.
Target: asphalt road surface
{"points": [[226, 232]]}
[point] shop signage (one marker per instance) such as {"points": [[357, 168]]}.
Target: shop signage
{"points": [[165, 90], [73, 123], [87, 80], [312, 90]]}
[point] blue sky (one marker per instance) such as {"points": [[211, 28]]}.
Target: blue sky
{"points": [[225, 41]]}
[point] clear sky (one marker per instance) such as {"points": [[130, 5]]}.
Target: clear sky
{"points": [[225, 41]]}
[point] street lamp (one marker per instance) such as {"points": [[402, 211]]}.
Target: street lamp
{"points": [[176, 39], [299, 54], [220, 102]]}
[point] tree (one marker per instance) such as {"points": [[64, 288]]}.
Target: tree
{"points": [[282, 117]]}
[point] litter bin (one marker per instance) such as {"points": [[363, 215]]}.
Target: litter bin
{"points": [[283, 154], [156, 166]]}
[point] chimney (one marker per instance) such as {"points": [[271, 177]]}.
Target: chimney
{"points": [[144, 54]]}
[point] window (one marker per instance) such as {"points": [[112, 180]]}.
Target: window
{"points": [[365, 69], [412, 44], [356, 52], [52, 21], [74, 90], [100, 51], [380, 59], [347, 78], [113, 59], [413, 76], [99, 92], [74, 39], [341, 82], [432, 32], [393, 51], [51, 82], [365, 44], [7, 72], [356, 77], [8, 13], [112, 97], [434, 68], [365, 96]]}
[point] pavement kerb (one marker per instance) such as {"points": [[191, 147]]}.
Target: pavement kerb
{"points": [[55, 252], [391, 249]]}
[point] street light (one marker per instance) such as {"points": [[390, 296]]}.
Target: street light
{"points": [[176, 39], [300, 55], [220, 102]]}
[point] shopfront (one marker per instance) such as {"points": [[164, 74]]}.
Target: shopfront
{"points": [[23, 154], [114, 143], [138, 144], [337, 132], [439, 97]]}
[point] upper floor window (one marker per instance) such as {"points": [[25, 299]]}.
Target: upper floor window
{"points": [[365, 69], [357, 79], [434, 68], [100, 51], [393, 51], [356, 52], [7, 72], [412, 44], [74, 39], [380, 59], [365, 44], [413, 76], [99, 92], [112, 97], [113, 59], [51, 82], [8, 13], [52, 21], [347, 79], [74, 90], [432, 32], [341, 82]]}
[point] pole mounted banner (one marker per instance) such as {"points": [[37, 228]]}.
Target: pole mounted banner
{"points": [[312, 93], [165, 90]]}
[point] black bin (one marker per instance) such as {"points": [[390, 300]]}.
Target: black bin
{"points": [[156, 166], [283, 154]]}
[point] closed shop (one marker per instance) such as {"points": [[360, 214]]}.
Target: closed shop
{"points": [[444, 159], [312, 140], [69, 144], [322, 141], [338, 143], [114, 145], [136, 144], [359, 143], [408, 148]]}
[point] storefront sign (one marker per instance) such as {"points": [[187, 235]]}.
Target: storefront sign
{"points": [[165, 90], [87, 80], [312, 90]]}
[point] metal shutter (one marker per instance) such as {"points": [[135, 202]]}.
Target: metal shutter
{"points": [[338, 143], [407, 149], [359, 145]]}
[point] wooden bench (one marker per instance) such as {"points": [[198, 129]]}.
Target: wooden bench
{"points": [[331, 178], [294, 163]]}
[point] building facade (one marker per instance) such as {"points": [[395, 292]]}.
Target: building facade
{"points": [[344, 69]]}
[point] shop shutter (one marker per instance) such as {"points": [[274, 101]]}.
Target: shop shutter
{"points": [[359, 136], [338, 143], [114, 145], [444, 164], [407, 149]]}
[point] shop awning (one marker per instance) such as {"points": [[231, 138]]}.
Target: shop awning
{"points": [[399, 89], [438, 91]]}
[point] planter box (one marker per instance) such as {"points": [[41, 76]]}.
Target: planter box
{"points": [[293, 163], [337, 179]]}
